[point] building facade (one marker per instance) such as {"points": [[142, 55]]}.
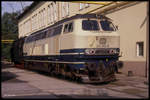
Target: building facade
{"points": [[133, 30], [131, 18]]}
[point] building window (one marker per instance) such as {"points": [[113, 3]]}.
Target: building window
{"points": [[52, 13], [65, 9], [39, 19], [32, 23], [42, 14], [49, 14], [44, 17], [83, 6], [140, 48], [55, 11], [36, 21]]}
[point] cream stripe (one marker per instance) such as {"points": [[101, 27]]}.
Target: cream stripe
{"points": [[70, 53], [57, 61]]}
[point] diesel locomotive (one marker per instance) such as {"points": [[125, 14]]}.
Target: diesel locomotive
{"points": [[84, 46]]}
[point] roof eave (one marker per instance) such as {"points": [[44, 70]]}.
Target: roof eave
{"points": [[27, 9]]}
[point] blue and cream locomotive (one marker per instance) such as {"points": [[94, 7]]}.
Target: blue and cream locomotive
{"points": [[82, 47]]}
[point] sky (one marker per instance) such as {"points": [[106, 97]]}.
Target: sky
{"points": [[13, 6]]}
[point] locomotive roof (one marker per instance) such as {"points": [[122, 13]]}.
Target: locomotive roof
{"points": [[77, 16]]}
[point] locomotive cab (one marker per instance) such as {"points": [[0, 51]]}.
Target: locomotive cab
{"points": [[95, 36]]}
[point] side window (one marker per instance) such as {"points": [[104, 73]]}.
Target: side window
{"points": [[68, 28], [57, 30], [37, 36], [31, 38], [43, 35], [50, 32], [54, 31], [47, 33], [27, 40]]}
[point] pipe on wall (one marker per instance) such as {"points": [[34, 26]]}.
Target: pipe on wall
{"points": [[112, 6], [93, 2]]}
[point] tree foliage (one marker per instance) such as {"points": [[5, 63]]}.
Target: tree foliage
{"points": [[9, 24], [9, 31]]}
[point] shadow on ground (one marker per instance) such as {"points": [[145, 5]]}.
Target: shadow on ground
{"points": [[7, 76]]}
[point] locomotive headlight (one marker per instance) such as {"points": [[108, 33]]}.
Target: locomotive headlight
{"points": [[90, 51], [115, 51], [112, 51]]}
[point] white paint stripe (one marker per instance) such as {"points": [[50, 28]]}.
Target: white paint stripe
{"points": [[70, 53], [57, 61], [12, 95]]}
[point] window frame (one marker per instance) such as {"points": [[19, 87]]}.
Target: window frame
{"points": [[102, 28], [138, 49], [64, 32]]}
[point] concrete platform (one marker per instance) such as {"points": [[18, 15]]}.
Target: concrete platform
{"points": [[20, 83]]}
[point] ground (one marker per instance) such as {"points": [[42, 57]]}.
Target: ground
{"points": [[21, 83]]}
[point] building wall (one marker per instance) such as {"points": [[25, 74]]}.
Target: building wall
{"points": [[33, 20], [132, 29]]}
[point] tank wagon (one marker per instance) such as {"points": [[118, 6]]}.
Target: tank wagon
{"points": [[84, 47]]}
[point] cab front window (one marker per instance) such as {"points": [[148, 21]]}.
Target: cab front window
{"points": [[90, 25], [107, 25]]}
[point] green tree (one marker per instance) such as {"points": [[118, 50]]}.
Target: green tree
{"points": [[9, 26]]}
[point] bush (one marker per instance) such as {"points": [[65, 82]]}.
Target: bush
{"points": [[6, 51]]}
